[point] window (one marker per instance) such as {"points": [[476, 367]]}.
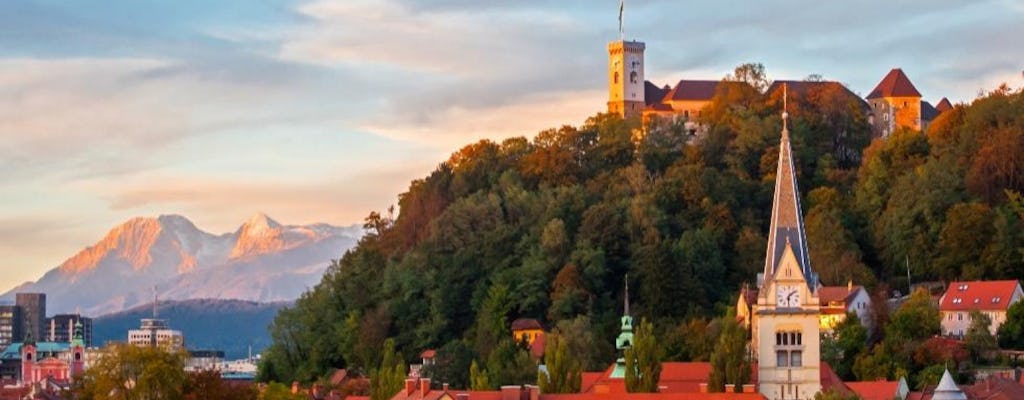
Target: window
{"points": [[616, 78], [782, 358], [796, 359], [959, 316], [632, 77]]}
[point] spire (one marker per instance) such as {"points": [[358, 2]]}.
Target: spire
{"points": [[947, 389], [625, 309], [787, 223]]}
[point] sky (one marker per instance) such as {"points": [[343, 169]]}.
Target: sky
{"points": [[322, 111]]}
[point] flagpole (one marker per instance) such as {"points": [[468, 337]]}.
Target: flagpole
{"points": [[622, 7]]}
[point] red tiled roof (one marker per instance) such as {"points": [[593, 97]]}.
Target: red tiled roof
{"points": [[338, 376], [995, 388], [979, 295], [653, 94], [944, 105], [831, 381], [800, 89], [588, 379], [428, 354], [895, 84], [525, 323], [652, 396], [692, 90], [877, 390], [843, 294]]}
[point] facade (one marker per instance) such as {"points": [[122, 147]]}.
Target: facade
{"points": [[836, 301], [33, 313], [10, 325], [896, 103], [61, 328], [785, 322], [626, 78], [156, 332], [31, 362], [992, 298]]}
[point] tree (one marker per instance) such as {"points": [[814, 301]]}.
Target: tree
{"points": [[451, 364], [278, 391], [511, 364], [127, 372], [916, 319], [729, 362], [1011, 332], [833, 394], [208, 385], [643, 360], [841, 348], [979, 339], [564, 374], [478, 379], [389, 377]]}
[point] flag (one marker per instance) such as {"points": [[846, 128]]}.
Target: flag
{"points": [[622, 6]]}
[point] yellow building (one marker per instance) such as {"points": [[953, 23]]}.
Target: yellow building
{"points": [[526, 329], [895, 103], [626, 78]]}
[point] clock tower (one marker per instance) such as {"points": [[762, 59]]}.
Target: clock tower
{"points": [[785, 331], [626, 78]]}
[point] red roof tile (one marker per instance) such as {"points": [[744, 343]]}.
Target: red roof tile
{"points": [[843, 294], [428, 354], [979, 295], [692, 90], [525, 324], [895, 84], [877, 390], [944, 105], [995, 388], [831, 381]]}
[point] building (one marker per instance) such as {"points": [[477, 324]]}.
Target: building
{"points": [[837, 301], [626, 78], [31, 362], [61, 328], [33, 313], [785, 321], [156, 332], [10, 325], [993, 298]]}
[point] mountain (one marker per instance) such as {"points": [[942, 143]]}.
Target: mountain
{"points": [[209, 324], [263, 260]]}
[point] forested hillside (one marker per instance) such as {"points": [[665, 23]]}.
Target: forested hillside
{"points": [[549, 228]]}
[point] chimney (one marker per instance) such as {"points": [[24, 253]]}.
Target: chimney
{"points": [[424, 387], [749, 388], [730, 388], [703, 387], [444, 386], [849, 286], [410, 386]]}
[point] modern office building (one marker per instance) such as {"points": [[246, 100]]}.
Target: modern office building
{"points": [[61, 328], [156, 332], [33, 313], [10, 325]]}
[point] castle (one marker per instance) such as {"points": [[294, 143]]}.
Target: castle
{"points": [[893, 104]]}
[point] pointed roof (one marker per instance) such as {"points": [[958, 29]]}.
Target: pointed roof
{"points": [[787, 223], [947, 389], [895, 84], [944, 105]]}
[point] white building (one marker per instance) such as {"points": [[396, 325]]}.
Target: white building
{"points": [[837, 301], [991, 298], [155, 332]]}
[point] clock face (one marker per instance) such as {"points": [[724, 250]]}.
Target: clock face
{"points": [[787, 296]]}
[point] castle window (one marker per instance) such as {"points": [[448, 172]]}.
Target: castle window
{"points": [[782, 358], [796, 359], [632, 77], [616, 78]]}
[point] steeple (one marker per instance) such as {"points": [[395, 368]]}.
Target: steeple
{"points": [[625, 339], [787, 223]]}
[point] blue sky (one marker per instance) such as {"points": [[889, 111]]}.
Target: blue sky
{"points": [[322, 111]]}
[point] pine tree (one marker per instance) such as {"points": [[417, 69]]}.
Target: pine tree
{"points": [[564, 374]]}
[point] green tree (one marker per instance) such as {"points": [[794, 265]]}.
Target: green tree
{"points": [[451, 364], [643, 360], [833, 394], [388, 378], [1011, 332], [564, 374], [729, 362], [127, 372], [478, 378], [874, 365], [278, 391], [841, 348], [918, 318], [979, 339], [511, 364], [208, 385]]}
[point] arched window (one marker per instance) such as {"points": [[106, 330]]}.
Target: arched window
{"points": [[616, 79], [633, 76]]}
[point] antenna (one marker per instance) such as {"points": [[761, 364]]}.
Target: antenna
{"points": [[154, 302], [626, 308]]}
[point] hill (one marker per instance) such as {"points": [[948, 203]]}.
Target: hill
{"points": [[262, 260], [549, 228], [228, 325]]}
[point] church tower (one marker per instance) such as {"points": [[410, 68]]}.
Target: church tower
{"points": [[785, 330], [626, 78]]}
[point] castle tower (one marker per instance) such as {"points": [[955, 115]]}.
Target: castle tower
{"points": [[785, 330], [626, 78], [78, 350], [895, 103]]}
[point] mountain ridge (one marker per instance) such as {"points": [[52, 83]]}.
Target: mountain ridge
{"points": [[263, 260]]}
